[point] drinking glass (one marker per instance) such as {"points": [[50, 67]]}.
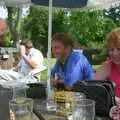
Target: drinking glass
{"points": [[84, 110], [19, 93], [51, 105], [21, 109], [79, 95]]}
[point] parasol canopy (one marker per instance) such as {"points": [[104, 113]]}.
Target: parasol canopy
{"points": [[94, 4]]}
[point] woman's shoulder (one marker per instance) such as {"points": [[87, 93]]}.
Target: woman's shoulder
{"points": [[106, 63], [105, 66], [103, 71]]}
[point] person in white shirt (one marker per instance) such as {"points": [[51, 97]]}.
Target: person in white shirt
{"points": [[31, 58], [31, 62]]}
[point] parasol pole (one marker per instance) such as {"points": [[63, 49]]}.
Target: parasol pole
{"points": [[49, 50]]}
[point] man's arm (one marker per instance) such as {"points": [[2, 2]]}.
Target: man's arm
{"points": [[31, 63], [88, 72]]}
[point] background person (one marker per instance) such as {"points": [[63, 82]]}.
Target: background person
{"points": [[110, 69], [31, 58], [31, 62], [71, 66]]}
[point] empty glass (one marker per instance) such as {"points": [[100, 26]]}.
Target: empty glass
{"points": [[21, 109], [84, 110], [51, 105]]}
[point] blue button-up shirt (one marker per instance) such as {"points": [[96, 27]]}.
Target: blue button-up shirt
{"points": [[75, 68]]}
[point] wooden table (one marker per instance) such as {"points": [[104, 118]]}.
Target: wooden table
{"points": [[34, 117], [41, 111]]}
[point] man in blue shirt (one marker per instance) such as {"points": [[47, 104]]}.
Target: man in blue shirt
{"points": [[71, 66]]}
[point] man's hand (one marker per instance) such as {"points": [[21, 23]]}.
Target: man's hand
{"points": [[60, 85], [68, 88], [54, 81], [22, 50]]}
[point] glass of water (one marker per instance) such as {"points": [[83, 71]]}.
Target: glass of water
{"points": [[84, 110], [21, 109]]}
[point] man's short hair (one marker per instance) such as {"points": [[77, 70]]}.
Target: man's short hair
{"points": [[27, 43], [64, 38]]}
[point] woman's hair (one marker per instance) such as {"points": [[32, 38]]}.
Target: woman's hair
{"points": [[27, 43], [113, 38], [64, 38]]}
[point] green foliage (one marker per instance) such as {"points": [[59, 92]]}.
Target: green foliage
{"points": [[60, 20], [114, 14], [35, 27], [13, 23], [7, 40], [44, 73], [89, 26], [95, 67]]}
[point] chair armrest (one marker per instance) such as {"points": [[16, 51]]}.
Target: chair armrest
{"points": [[38, 70]]}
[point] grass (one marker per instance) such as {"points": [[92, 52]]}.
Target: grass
{"points": [[95, 67], [53, 60], [44, 73]]}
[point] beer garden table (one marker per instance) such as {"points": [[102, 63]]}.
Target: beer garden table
{"points": [[42, 113]]}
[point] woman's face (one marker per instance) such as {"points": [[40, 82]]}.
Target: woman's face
{"points": [[114, 54]]}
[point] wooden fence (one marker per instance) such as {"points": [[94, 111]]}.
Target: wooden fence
{"points": [[7, 63]]}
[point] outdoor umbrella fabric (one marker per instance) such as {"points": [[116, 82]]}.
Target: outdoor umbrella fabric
{"points": [[63, 3], [94, 4]]}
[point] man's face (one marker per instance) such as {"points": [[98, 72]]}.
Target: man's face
{"points": [[27, 51], [58, 49]]}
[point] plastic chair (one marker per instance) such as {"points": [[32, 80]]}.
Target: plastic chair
{"points": [[36, 73]]}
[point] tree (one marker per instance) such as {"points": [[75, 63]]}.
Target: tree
{"points": [[86, 27], [89, 26], [35, 27], [13, 22], [59, 21], [114, 14]]}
